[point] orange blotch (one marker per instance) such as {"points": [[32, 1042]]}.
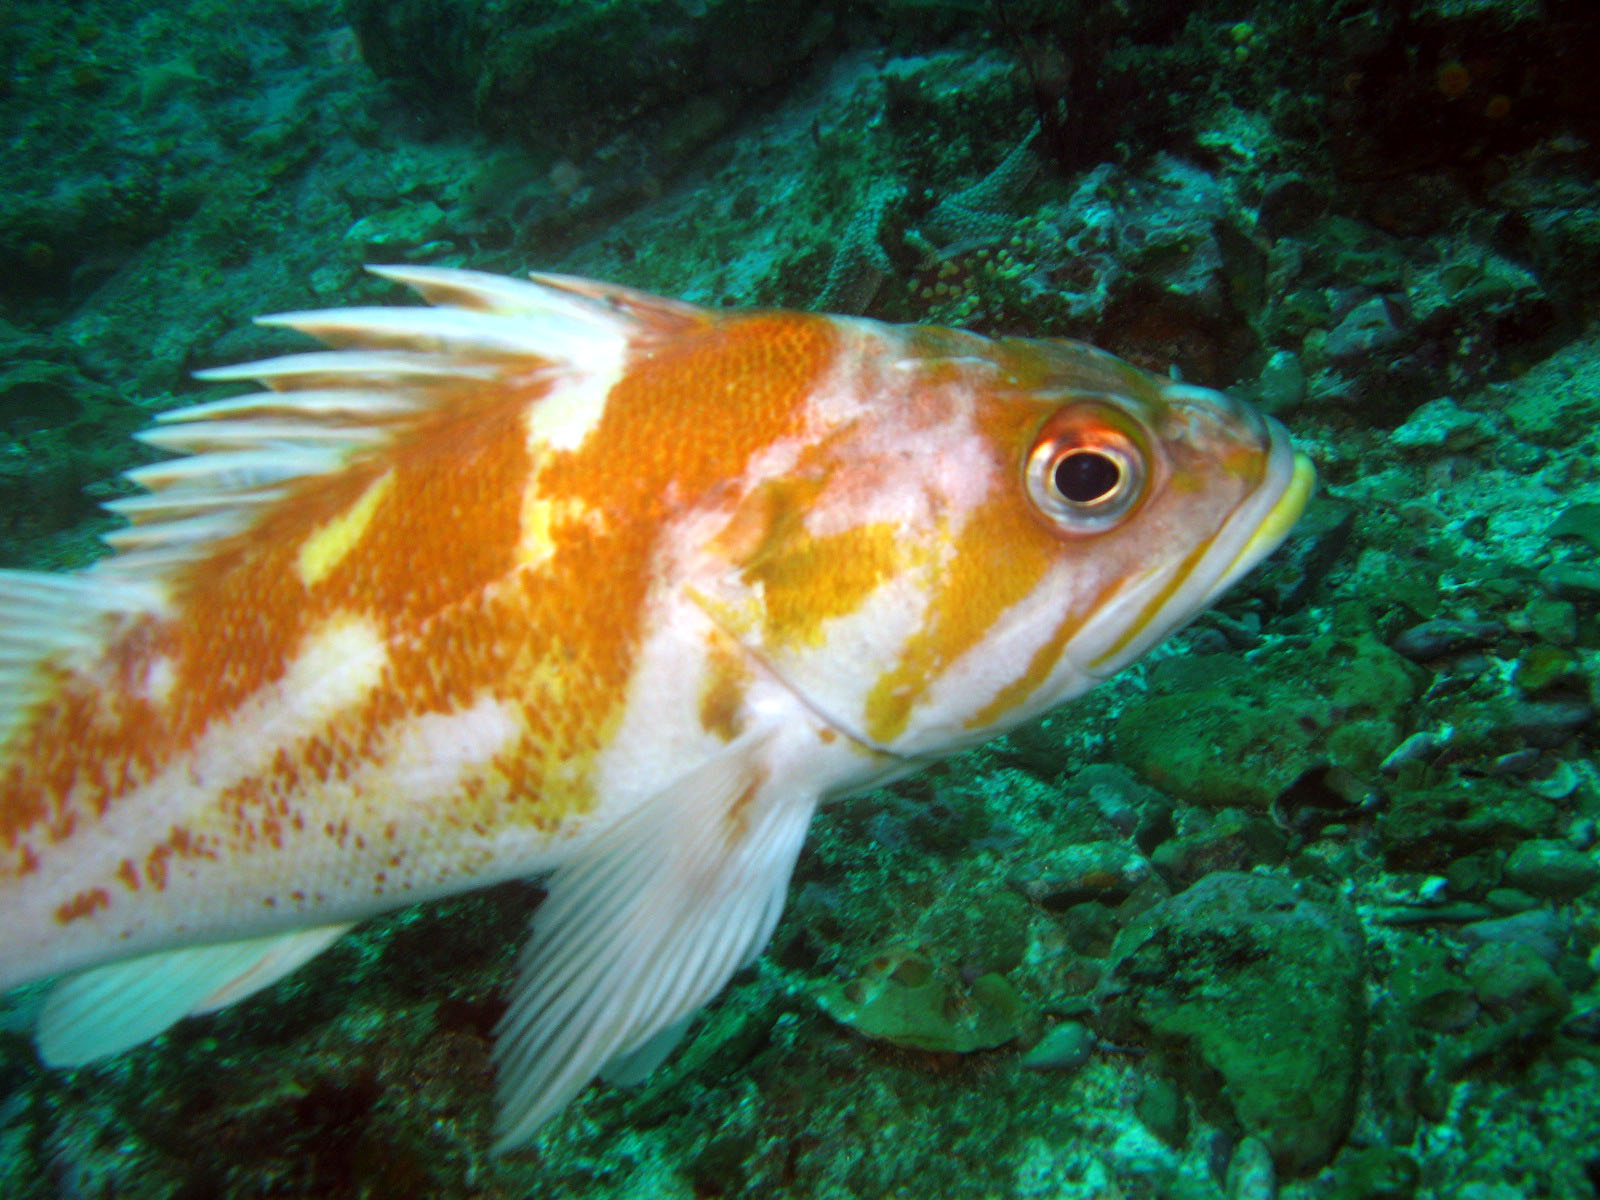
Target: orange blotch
{"points": [[84, 904], [722, 700], [129, 874], [22, 804], [155, 867], [736, 821], [1452, 79], [60, 829]]}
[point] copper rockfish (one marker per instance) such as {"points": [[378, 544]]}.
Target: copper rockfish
{"points": [[560, 579]]}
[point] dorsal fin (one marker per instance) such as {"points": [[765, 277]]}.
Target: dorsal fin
{"points": [[318, 412], [322, 409]]}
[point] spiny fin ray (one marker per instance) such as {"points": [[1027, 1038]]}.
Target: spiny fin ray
{"points": [[487, 339]]}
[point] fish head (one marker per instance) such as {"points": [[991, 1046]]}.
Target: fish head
{"points": [[969, 531]]}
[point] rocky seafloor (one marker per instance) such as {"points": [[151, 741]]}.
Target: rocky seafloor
{"points": [[1305, 904]]}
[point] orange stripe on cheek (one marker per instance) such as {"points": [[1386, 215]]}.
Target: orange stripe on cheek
{"points": [[998, 558], [1039, 667], [1154, 606]]}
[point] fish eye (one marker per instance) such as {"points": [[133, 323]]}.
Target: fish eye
{"points": [[1085, 471], [1085, 476]]}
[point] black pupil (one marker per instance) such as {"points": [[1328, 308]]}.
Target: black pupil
{"points": [[1085, 476]]}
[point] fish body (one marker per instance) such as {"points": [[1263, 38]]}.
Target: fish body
{"points": [[560, 579]]}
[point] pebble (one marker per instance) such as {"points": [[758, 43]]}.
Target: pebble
{"points": [[1550, 620], [1435, 639], [1546, 667], [1510, 901], [1251, 1175], [1540, 930], [1106, 871], [1442, 424], [1584, 831], [1457, 913], [1066, 1047], [1558, 785], [1584, 1023], [1283, 382], [1366, 330], [1571, 581], [1419, 746], [1549, 722], [1518, 762], [1552, 869]]}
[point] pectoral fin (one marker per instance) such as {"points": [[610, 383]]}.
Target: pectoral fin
{"points": [[112, 1008], [643, 928]]}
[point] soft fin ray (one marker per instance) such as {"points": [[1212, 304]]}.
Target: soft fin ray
{"points": [[644, 927], [630, 1068], [113, 1008]]}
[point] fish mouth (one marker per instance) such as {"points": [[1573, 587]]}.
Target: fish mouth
{"points": [[1161, 603], [1273, 526]]}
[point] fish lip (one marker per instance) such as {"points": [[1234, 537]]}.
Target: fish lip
{"points": [[1283, 509]]}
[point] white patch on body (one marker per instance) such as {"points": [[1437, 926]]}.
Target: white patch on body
{"points": [[156, 684], [564, 417], [856, 649], [338, 665], [430, 756], [916, 456]]}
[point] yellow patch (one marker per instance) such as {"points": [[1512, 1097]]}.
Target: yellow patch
{"points": [[540, 518], [808, 580], [1155, 606], [330, 542]]}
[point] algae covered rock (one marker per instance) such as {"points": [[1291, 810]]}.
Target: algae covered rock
{"points": [[903, 997], [576, 73], [1225, 732], [1253, 991]]}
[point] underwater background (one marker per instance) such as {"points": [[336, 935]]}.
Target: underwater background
{"points": [[1303, 905]]}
